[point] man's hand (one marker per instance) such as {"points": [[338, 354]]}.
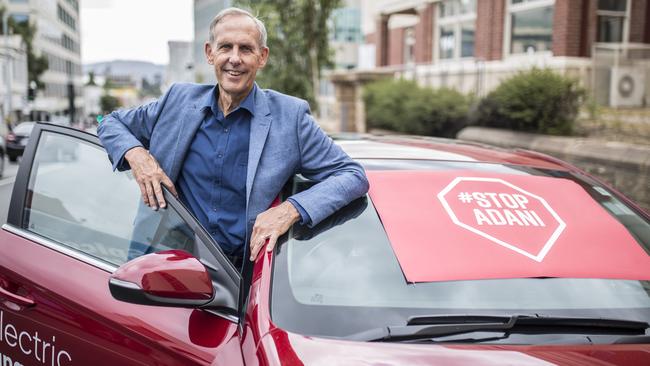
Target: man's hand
{"points": [[149, 176], [270, 225]]}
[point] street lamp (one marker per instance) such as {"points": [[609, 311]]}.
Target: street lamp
{"points": [[7, 71]]}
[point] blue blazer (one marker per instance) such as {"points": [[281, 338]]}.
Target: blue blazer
{"points": [[284, 140]]}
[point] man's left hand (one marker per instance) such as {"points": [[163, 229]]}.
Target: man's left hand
{"points": [[270, 225]]}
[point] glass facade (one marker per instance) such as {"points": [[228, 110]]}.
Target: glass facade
{"points": [[345, 25], [66, 18]]}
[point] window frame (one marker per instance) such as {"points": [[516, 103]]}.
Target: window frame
{"points": [[454, 21], [511, 8], [16, 217], [619, 14]]}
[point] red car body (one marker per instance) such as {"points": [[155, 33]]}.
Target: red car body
{"points": [[57, 310]]}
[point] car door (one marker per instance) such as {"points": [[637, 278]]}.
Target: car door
{"points": [[71, 223]]}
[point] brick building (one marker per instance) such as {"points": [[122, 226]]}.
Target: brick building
{"points": [[472, 45], [496, 29]]}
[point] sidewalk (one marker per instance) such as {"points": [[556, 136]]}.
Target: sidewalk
{"points": [[624, 125]]}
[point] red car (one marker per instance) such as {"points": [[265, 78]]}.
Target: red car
{"points": [[459, 255]]}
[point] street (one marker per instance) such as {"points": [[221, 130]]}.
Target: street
{"points": [[6, 186]]}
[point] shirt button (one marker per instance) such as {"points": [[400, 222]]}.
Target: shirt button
{"points": [[214, 209], [225, 130], [220, 155]]}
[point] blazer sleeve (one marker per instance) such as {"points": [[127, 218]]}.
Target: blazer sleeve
{"points": [[125, 129], [341, 179]]}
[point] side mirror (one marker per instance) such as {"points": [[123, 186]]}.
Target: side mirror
{"points": [[167, 278]]}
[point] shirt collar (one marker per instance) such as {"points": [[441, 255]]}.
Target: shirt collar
{"points": [[211, 101]]}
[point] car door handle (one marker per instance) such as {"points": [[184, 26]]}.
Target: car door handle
{"points": [[20, 300]]}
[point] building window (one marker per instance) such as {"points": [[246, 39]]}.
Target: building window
{"points": [[66, 18], [409, 46], [74, 4], [345, 25], [456, 27], [531, 26], [467, 39], [447, 42], [612, 19]]}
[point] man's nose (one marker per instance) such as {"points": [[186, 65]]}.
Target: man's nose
{"points": [[234, 56]]}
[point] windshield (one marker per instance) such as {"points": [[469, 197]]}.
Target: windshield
{"points": [[342, 277]]}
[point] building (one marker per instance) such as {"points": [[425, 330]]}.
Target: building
{"points": [[181, 66], [13, 78], [58, 39], [345, 37], [345, 34], [472, 45], [204, 12]]}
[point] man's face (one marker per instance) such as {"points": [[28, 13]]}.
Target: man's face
{"points": [[236, 54]]}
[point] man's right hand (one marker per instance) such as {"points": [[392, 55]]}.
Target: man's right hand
{"points": [[150, 176]]}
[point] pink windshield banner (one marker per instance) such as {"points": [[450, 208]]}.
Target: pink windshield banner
{"points": [[468, 225]]}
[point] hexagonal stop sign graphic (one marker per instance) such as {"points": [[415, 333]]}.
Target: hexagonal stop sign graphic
{"points": [[503, 214]]}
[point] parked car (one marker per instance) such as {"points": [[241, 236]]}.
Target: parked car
{"points": [[459, 255], [17, 139], [4, 131]]}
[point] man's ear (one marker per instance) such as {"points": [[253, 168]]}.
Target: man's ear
{"points": [[265, 56], [207, 48]]}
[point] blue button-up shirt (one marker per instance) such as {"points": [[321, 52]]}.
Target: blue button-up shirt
{"points": [[212, 181]]}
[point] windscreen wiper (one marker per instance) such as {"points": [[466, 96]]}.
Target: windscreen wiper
{"points": [[432, 326]]}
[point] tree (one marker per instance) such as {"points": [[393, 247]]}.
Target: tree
{"points": [[109, 103], [299, 43], [149, 89], [36, 65], [91, 79]]}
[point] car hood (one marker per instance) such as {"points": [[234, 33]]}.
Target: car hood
{"points": [[298, 349]]}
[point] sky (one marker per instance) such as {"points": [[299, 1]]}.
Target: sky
{"points": [[133, 29]]}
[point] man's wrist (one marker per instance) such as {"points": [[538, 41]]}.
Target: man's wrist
{"points": [[132, 152], [292, 212]]}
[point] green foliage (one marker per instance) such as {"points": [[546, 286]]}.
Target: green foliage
{"points": [[298, 42], [403, 106], [149, 89], [109, 103], [91, 79], [538, 101], [36, 65]]}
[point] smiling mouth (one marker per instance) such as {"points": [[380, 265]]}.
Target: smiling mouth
{"points": [[234, 73]]}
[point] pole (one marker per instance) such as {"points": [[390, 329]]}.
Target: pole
{"points": [[7, 71]]}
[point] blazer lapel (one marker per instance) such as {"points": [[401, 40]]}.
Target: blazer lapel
{"points": [[192, 118], [260, 124]]}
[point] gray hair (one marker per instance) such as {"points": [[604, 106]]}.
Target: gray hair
{"points": [[236, 11]]}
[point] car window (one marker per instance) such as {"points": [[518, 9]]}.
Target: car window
{"points": [[76, 200]]}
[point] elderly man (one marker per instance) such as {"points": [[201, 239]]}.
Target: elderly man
{"points": [[226, 150]]}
